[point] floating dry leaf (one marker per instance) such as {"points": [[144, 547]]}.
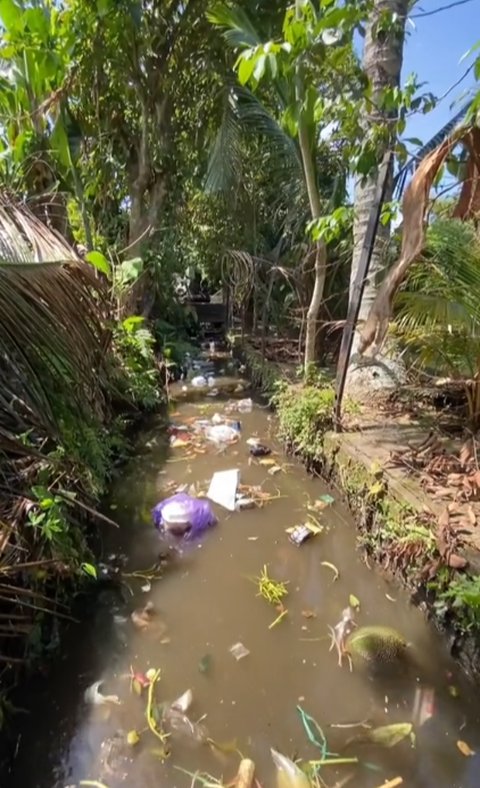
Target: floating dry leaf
{"points": [[267, 461], [274, 470], [464, 748], [392, 783], [336, 573], [309, 614]]}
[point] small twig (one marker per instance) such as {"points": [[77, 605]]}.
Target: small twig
{"points": [[278, 618], [98, 515]]}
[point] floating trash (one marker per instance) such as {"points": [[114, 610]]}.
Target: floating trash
{"points": [[239, 651], [183, 514], [93, 695], [259, 450], [223, 488]]}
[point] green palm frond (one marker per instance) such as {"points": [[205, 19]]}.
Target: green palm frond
{"points": [[245, 116], [225, 163], [238, 30], [443, 287], [437, 312]]}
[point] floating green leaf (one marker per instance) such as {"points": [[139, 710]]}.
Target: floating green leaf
{"points": [[390, 735], [354, 602], [133, 738], [205, 664]]}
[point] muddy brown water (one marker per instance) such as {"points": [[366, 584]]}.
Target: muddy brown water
{"points": [[205, 603]]}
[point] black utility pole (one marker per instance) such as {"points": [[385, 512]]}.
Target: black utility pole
{"points": [[358, 288]]}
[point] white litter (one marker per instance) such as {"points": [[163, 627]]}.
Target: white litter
{"points": [[94, 696], [199, 381], [223, 488], [238, 651], [221, 433], [184, 702], [245, 405], [244, 503]]}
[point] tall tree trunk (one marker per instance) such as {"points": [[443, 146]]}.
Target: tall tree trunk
{"points": [[382, 63], [307, 151]]}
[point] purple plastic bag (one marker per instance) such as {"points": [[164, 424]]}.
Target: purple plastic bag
{"points": [[198, 513]]}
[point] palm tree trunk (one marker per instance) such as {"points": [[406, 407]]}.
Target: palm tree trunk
{"points": [[382, 63]]}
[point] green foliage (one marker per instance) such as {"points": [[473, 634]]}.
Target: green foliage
{"points": [[134, 346], [305, 413], [462, 595], [437, 312], [48, 516]]}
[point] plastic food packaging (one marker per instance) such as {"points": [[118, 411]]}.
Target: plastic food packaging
{"points": [[199, 381], [181, 513]]}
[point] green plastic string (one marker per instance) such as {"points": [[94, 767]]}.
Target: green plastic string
{"points": [[310, 725]]}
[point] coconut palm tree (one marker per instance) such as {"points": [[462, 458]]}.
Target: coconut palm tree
{"points": [[382, 64], [287, 118], [437, 310]]}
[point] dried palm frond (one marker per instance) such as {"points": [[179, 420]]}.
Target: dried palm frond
{"points": [[53, 354], [52, 340]]}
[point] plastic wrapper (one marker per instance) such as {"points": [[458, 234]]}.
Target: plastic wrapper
{"points": [[183, 514]]}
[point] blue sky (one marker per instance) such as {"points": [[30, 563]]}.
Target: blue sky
{"points": [[433, 50]]}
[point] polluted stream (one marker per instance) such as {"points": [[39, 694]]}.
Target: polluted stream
{"points": [[281, 685]]}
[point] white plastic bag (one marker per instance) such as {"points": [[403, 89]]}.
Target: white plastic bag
{"points": [[221, 433], [199, 381]]}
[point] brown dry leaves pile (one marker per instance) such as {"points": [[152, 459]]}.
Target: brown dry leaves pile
{"points": [[452, 476]]}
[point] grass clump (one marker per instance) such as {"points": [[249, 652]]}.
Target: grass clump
{"points": [[305, 413]]}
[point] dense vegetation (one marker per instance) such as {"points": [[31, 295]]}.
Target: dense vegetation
{"points": [[141, 141]]}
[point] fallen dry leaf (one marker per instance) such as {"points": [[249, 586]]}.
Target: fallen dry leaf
{"points": [[471, 516], [444, 518], [456, 561], [392, 783], [309, 614], [464, 748], [466, 454]]}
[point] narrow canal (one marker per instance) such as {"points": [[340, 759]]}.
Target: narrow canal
{"points": [[205, 602]]}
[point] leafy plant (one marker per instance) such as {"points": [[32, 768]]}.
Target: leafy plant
{"points": [[134, 345], [463, 595], [437, 313], [304, 413]]}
